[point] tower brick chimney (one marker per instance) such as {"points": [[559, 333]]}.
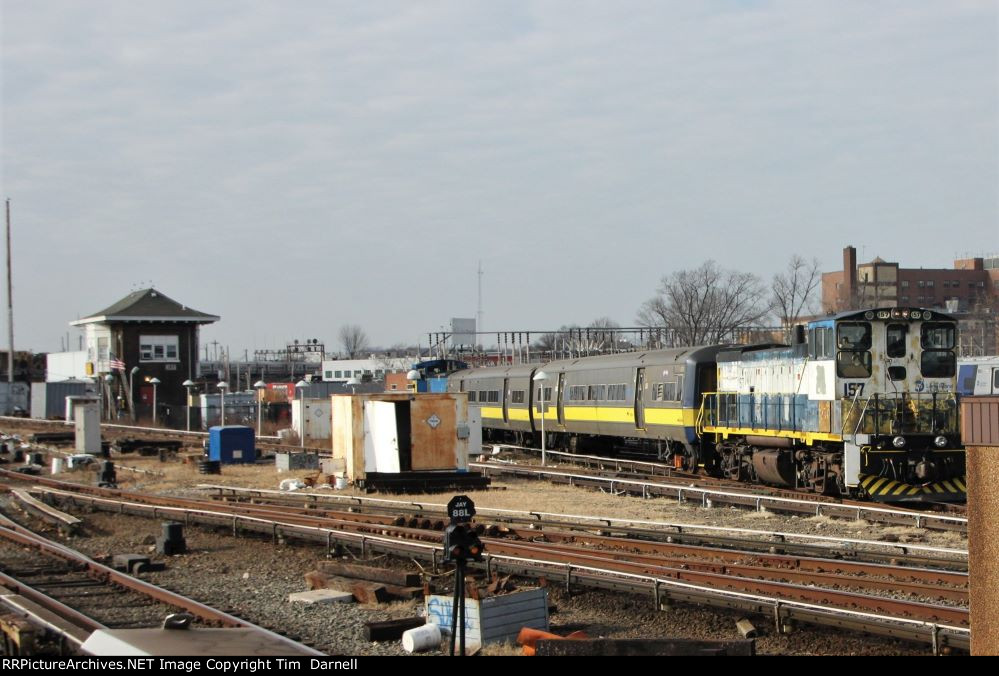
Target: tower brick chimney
{"points": [[850, 276]]}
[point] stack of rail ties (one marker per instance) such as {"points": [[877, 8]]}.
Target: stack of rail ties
{"points": [[147, 446], [422, 482]]}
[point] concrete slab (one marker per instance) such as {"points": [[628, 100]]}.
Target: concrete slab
{"points": [[321, 596]]}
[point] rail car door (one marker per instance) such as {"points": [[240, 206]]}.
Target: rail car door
{"points": [[506, 400], [640, 399], [560, 406]]}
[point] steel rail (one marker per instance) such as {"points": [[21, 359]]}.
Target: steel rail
{"points": [[26, 537], [782, 567], [920, 579], [71, 615], [680, 566], [668, 472], [709, 496], [936, 633], [598, 521]]}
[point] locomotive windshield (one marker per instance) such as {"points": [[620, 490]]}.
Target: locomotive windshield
{"points": [[937, 340], [937, 336], [854, 336], [854, 357], [938, 364], [895, 340]]}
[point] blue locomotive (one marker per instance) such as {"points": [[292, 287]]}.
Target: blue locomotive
{"points": [[862, 403]]}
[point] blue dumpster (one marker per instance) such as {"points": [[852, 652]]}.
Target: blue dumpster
{"points": [[231, 444]]}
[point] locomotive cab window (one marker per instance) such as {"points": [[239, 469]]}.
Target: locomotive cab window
{"points": [[895, 336], [937, 336], [938, 364], [853, 364], [854, 336]]}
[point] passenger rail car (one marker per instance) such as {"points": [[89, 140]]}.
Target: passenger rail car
{"points": [[590, 402], [862, 403]]}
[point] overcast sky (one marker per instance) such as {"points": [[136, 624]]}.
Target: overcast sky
{"points": [[295, 166]]}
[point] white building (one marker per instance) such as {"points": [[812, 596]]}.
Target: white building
{"points": [[374, 368], [61, 366]]}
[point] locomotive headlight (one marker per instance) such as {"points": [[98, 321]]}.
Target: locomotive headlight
{"points": [[898, 442], [940, 441]]}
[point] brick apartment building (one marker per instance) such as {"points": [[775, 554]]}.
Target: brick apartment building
{"points": [[969, 291]]}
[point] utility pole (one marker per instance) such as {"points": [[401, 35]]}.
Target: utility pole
{"points": [[10, 322], [478, 314]]}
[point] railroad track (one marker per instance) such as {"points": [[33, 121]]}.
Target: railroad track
{"points": [[70, 596], [112, 431], [717, 537], [886, 600], [645, 478], [433, 516], [626, 468], [685, 491]]}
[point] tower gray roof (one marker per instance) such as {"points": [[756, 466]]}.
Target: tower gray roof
{"points": [[147, 305]]}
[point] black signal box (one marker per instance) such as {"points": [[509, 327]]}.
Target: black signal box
{"points": [[461, 544]]}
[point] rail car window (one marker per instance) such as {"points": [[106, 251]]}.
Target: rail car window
{"points": [[483, 396], [937, 336], [493, 396], [938, 364], [895, 340], [471, 396], [616, 393], [854, 336], [669, 392], [548, 394], [896, 372], [517, 396], [853, 364], [825, 348], [597, 392]]}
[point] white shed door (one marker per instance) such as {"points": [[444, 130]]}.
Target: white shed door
{"points": [[381, 441]]}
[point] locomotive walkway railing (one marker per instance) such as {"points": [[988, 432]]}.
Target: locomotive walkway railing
{"points": [[931, 413]]}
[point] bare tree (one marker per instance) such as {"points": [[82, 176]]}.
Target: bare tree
{"points": [[601, 335], [556, 340], [705, 305], [353, 339], [792, 292]]}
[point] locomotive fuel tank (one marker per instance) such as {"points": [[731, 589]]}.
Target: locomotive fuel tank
{"points": [[774, 466]]}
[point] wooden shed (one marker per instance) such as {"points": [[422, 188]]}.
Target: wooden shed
{"points": [[399, 432]]}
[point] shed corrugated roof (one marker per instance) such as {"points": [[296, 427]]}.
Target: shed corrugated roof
{"points": [[146, 305]]}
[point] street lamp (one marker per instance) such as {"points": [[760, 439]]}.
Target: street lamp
{"points": [[188, 384], [131, 390], [108, 378], [540, 377], [154, 382], [300, 386], [353, 382], [413, 376], [222, 388], [259, 386]]}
